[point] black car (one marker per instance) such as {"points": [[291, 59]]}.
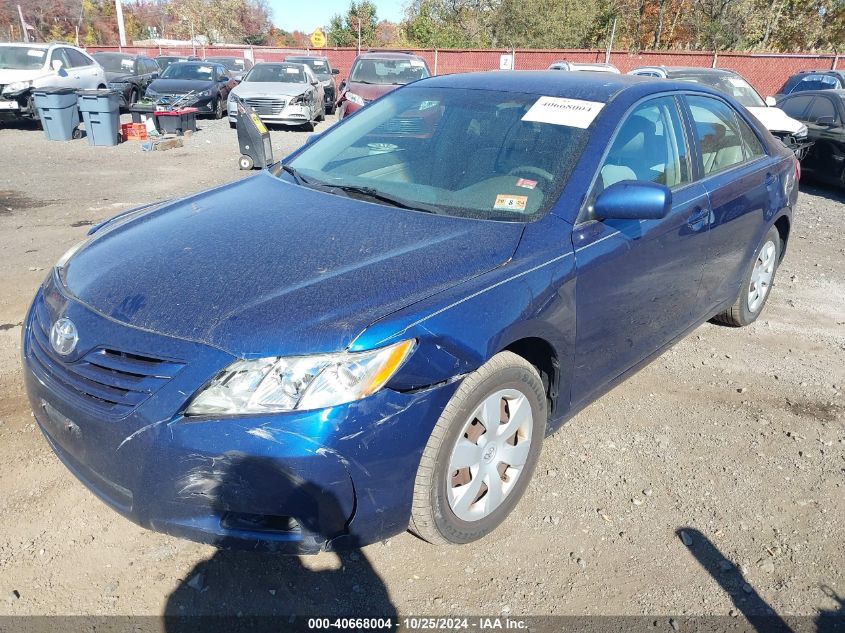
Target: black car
{"points": [[164, 61], [200, 85], [237, 66], [823, 111], [127, 74], [812, 80], [325, 74]]}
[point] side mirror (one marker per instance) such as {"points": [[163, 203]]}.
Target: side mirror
{"points": [[57, 64], [342, 86], [315, 83], [155, 75], [225, 78], [335, 71], [771, 102], [633, 200], [827, 121]]}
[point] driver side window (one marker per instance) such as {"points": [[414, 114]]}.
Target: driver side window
{"points": [[649, 146]]}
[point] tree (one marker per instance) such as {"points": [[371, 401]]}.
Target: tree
{"points": [[343, 30]]}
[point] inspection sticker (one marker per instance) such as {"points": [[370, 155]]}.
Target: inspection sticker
{"points": [[510, 203], [559, 111], [524, 182]]}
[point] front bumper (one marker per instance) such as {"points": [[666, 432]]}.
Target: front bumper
{"points": [[296, 483], [15, 107], [290, 115]]}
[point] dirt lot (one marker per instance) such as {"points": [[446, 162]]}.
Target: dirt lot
{"points": [[734, 436]]}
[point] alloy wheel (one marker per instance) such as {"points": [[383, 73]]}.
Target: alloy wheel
{"points": [[761, 276], [490, 454]]}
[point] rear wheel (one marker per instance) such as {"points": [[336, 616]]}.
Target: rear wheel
{"points": [[481, 454], [757, 284], [218, 109]]}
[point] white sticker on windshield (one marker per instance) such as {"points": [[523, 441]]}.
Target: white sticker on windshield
{"points": [[418, 63], [559, 111], [292, 71], [739, 83], [205, 69], [32, 52]]}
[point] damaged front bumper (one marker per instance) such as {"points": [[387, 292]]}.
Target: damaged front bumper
{"points": [[298, 482]]}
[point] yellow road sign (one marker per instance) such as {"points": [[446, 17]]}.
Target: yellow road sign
{"points": [[318, 39]]}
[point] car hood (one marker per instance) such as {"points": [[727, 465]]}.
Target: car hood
{"points": [[370, 91], [776, 120], [179, 86], [268, 89], [264, 267], [8, 75]]}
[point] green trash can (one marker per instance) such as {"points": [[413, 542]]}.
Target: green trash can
{"points": [[59, 112], [101, 114]]}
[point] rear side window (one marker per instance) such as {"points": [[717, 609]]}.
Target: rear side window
{"points": [[821, 108], [649, 146], [77, 59], [718, 133], [751, 145], [795, 106]]}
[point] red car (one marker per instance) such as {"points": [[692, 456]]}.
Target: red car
{"points": [[376, 74]]}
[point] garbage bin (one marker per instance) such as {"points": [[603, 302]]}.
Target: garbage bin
{"points": [[141, 112], [177, 121], [59, 113], [101, 114]]}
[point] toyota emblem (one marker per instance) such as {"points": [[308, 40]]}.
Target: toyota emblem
{"points": [[63, 336]]}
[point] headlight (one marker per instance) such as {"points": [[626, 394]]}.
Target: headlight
{"points": [[802, 131], [276, 384], [204, 93], [17, 86], [351, 96], [297, 100]]}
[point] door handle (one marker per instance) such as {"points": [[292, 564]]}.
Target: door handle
{"points": [[698, 217]]}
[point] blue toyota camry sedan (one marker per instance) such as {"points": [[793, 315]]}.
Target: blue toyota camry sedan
{"points": [[377, 334]]}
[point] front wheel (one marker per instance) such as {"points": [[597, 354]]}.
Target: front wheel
{"points": [[218, 109], [481, 454], [757, 283]]}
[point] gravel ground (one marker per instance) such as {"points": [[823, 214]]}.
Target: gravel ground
{"points": [[710, 483]]}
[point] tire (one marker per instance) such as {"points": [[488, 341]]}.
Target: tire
{"points": [[308, 127], [218, 109], [245, 163], [433, 516], [760, 276]]}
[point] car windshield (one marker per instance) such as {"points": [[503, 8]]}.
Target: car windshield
{"points": [[115, 62], [400, 150], [199, 72], [731, 85], [277, 73], [319, 66], [388, 71], [22, 57], [230, 63]]}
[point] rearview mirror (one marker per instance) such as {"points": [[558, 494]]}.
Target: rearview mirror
{"points": [[771, 102], [633, 200]]}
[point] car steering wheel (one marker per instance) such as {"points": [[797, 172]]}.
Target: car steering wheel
{"points": [[534, 171]]}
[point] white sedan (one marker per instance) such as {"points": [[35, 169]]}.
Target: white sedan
{"points": [[283, 93]]}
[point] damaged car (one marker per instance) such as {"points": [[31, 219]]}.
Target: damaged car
{"points": [[128, 75], [378, 333], [25, 68]]}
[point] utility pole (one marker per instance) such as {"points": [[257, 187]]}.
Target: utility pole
{"points": [[118, 9], [23, 25], [359, 33], [610, 43]]}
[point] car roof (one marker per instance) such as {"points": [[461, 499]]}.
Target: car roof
{"points": [[387, 55], [828, 71], [590, 86], [289, 57], [688, 71], [36, 44], [834, 92]]}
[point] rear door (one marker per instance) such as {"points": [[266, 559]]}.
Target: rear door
{"points": [[741, 181], [638, 280]]}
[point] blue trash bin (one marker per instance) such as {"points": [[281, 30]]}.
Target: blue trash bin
{"points": [[101, 114], [59, 113]]}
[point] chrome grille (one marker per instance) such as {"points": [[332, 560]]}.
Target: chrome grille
{"points": [[107, 380], [266, 105]]}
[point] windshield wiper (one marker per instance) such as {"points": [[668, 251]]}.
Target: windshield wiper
{"points": [[299, 178], [375, 194]]}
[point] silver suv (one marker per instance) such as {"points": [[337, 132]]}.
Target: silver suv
{"points": [[27, 67]]}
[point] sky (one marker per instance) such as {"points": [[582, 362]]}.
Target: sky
{"points": [[306, 15]]}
